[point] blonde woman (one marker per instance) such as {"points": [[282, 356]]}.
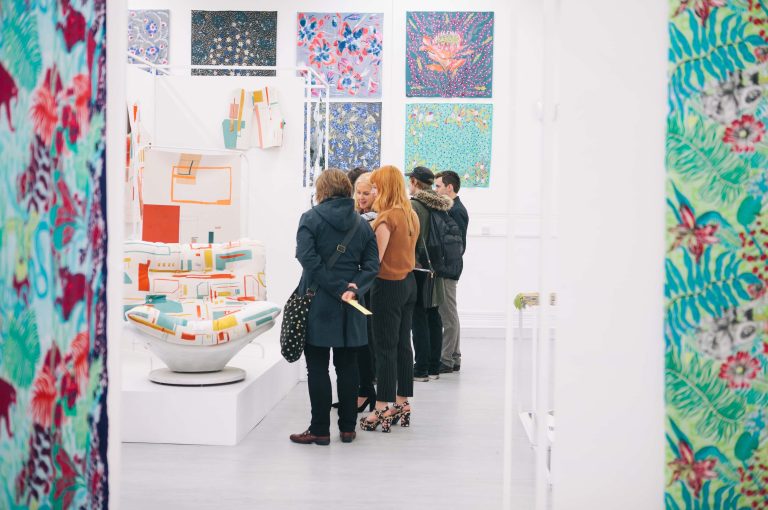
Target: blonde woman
{"points": [[393, 297]]}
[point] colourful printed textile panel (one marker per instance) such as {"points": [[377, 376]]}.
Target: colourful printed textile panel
{"points": [[234, 38], [53, 250], [716, 306], [194, 271], [148, 35], [345, 49], [449, 54], [247, 318], [354, 138], [450, 137]]}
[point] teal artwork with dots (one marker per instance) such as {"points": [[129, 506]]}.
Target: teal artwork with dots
{"points": [[450, 137]]}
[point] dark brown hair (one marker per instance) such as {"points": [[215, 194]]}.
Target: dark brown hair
{"points": [[450, 177]]}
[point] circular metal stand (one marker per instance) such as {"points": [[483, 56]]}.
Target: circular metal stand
{"points": [[228, 375]]}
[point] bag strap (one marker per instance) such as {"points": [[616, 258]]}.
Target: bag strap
{"points": [[429, 261], [340, 249]]}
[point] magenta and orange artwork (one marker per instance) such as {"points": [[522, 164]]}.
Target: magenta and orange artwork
{"points": [[449, 54]]}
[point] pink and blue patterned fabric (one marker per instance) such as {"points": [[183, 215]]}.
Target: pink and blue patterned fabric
{"points": [[53, 250], [148, 35]]}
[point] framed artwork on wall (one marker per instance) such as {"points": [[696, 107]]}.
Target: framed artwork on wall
{"points": [[148, 35], [346, 49], [449, 54], [234, 38], [450, 137]]}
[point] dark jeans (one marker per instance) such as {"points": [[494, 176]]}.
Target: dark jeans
{"points": [[427, 340], [319, 384], [392, 302]]}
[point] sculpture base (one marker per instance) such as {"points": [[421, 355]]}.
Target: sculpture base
{"points": [[228, 375]]}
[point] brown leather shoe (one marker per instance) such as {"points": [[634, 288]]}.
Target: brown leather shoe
{"points": [[348, 437], [307, 437]]}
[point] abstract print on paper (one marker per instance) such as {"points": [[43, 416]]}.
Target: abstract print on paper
{"points": [[354, 138], [148, 35], [53, 249], [345, 49], [234, 38], [716, 271], [450, 137], [449, 54]]}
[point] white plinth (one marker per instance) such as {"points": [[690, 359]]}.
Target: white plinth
{"points": [[167, 376], [213, 415]]}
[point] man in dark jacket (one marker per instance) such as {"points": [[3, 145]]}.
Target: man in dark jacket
{"points": [[448, 184], [332, 323], [427, 326]]}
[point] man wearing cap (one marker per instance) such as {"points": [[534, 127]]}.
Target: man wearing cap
{"points": [[427, 325]]}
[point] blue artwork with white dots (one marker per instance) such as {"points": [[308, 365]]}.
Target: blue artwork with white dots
{"points": [[234, 38], [355, 136]]}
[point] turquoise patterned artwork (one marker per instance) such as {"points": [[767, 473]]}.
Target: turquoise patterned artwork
{"points": [[716, 266], [53, 250], [450, 137]]}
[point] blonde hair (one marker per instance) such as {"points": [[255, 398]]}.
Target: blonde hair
{"points": [[332, 183], [390, 192], [362, 180]]}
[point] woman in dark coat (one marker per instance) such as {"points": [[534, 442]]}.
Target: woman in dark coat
{"points": [[334, 324]]}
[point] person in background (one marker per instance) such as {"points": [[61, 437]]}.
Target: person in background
{"points": [[448, 184], [427, 325], [393, 296], [364, 196], [332, 324]]}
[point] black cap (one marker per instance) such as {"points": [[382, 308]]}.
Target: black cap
{"points": [[422, 174]]}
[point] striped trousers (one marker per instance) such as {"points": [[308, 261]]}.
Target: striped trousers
{"points": [[392, 303]]}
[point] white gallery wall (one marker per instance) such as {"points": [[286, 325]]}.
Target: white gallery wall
{"points": [[609, 397], [483, 293]]}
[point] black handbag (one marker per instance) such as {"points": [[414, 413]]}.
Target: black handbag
{"points": [[293, 330]]}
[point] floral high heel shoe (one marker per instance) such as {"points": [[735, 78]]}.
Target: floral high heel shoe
{"points": [[402, 414], [381, 418]]}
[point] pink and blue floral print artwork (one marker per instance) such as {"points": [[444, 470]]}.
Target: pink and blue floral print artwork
{"points": [[344, 48], [449, 54], [148, 35], [234, 38]]}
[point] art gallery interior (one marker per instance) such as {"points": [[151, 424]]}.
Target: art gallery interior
{"points": [[156, 157]]}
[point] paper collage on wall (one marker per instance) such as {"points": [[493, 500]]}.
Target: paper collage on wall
{"points": [[148, 35], [190, 198], [449, 54], [234, 38], [716, 305], [53, 251], [451, 137], [354, 138], [254, 120], [345, 49]]}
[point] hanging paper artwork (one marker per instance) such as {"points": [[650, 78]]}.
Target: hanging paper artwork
{"points": [[190, 198], [354, 138], [234, 38], [254, 120], [148, 35], [345, 49], [449, 54], [53, 255], [450, 137], [716, 276]]}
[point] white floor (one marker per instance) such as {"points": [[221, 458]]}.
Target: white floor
{"points": [[450, 458]]}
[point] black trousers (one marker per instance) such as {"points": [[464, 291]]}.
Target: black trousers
{"points": [[319, 384], [392, 302], [427, 340], [366, 361]]}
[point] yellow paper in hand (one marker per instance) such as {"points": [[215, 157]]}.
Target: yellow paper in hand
{"points": [[360, 308]]}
